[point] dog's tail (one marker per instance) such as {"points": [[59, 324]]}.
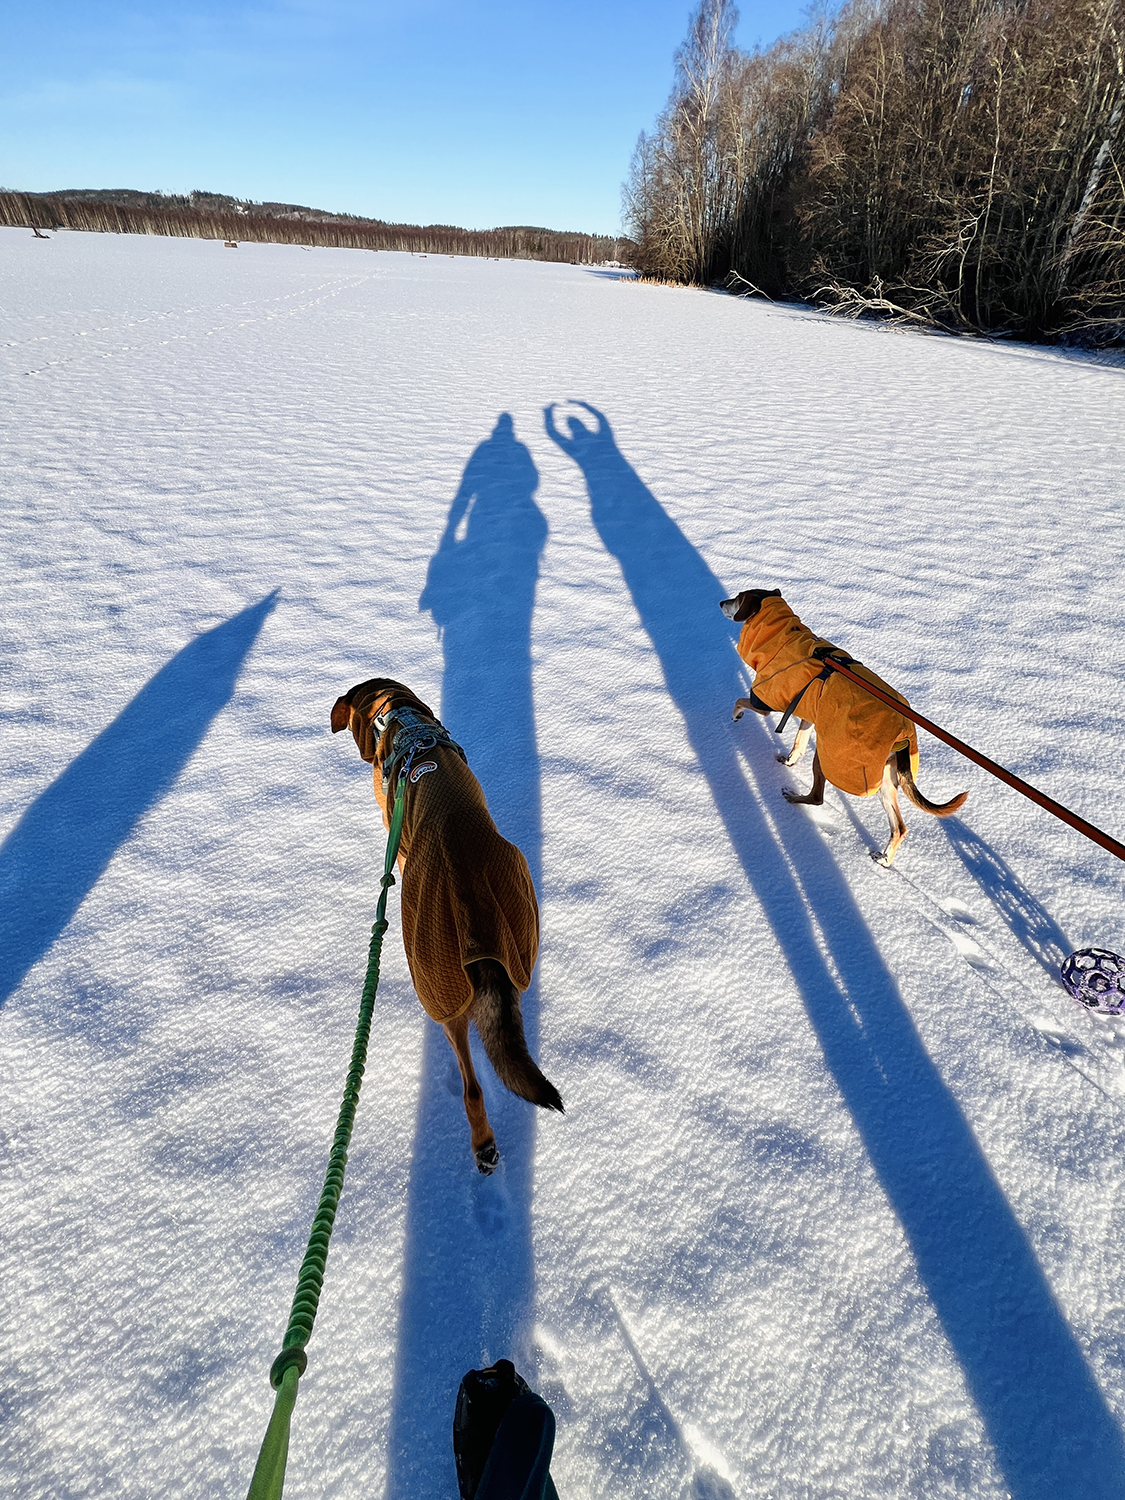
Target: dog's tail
{"points": [[906, 781], [497, 1016]]}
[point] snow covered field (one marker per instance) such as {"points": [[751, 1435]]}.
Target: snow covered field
{"points": [[835, 1207]]}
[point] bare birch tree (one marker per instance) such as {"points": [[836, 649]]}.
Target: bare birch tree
{"points": [[958, 162]]}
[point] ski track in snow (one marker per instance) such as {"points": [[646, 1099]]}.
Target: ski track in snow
{"points": [[834, 1210]]}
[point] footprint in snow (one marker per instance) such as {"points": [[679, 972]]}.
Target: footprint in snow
{"points": [[971, 953], [705, 1484], [824, 819], [958, 911], [1051, 1031], [492, 1208]]}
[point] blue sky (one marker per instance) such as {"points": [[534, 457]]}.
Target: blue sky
{"points": [[476, 113]]}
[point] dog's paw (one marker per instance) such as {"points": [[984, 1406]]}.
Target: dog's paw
{"points": [[791, 796], [737, 714], [881, 857], [783, 758], [487, 1159]]}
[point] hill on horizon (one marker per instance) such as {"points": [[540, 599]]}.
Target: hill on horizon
{"points": [[200, 200]]}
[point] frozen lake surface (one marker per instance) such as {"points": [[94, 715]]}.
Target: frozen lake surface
{"points": [[835, 1209]]}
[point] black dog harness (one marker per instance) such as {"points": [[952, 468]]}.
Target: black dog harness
{"points": [[415, 735]]}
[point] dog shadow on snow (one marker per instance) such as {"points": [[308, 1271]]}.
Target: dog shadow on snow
{"points": [[56, 853], [1054, 1437], [468, 1280]]}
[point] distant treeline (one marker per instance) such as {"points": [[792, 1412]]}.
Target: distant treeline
{"points": [[212, 216], [959, 163]]}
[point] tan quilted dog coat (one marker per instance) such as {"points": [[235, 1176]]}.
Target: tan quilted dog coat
{"points": [[854, 731], [467, 892]]}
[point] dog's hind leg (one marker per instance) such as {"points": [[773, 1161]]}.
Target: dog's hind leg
{"points": [[800, 744], [484, 1142], [888, 795], [814, 797]]}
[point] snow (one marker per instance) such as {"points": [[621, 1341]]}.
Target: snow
{"points": [[834, 1210]]}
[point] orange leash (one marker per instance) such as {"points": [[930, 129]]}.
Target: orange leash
{"points": [[1095, 834]]}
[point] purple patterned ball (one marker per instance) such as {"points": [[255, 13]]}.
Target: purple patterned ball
{"points": [[1096, 979]]}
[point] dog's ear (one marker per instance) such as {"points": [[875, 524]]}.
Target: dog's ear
{"points": [[354, 711], [744, 605], [747, 604]]}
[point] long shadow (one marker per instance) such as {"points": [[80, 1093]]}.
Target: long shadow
{"points": [[1028, 919], [1053, 1435], [55, 854], [468, 1276]]}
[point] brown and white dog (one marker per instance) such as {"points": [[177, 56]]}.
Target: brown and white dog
{"points": [[863, 745], [470, 920]]}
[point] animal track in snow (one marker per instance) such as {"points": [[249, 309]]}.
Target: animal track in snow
{"points": [[492, 1207]]}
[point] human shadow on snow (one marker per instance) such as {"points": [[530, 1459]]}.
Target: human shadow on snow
{"points": [[58, 850], [468, 1280], [1053, 1435]]}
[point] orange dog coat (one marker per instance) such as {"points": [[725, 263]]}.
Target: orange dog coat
{"points": [[855, 732]]}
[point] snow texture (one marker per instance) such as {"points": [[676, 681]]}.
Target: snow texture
{"points": [[834, 1210]]}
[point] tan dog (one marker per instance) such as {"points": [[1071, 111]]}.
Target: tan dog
{"points": [[862, 745], [470, 920]]}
